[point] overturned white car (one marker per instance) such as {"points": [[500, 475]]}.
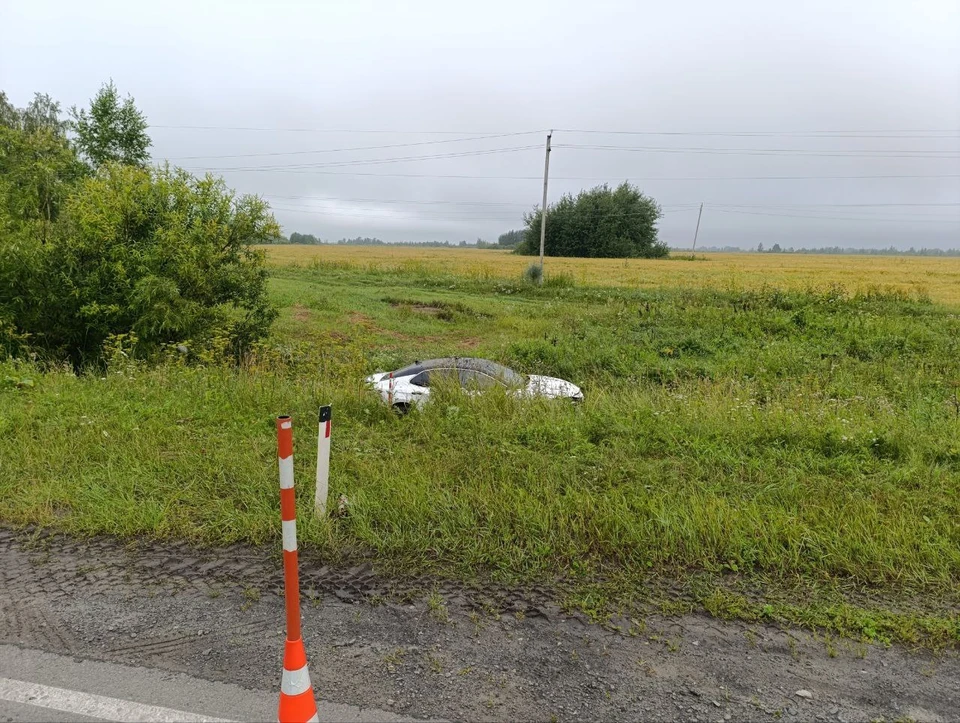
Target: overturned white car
{"points": [[410, 386]]}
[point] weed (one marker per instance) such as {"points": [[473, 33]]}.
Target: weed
{"points": [[792, 645], [533, 273], [438, 608], [394, 659], [828, 643], [477, 621], [252, 594]]}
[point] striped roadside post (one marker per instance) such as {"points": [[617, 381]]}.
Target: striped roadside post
{"points": [[323, 460], [390, 393], [297, 704]]}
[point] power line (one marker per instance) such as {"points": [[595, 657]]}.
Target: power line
{"points": [[396, 200], [773, 211], [840, 205], [885, 153], [672, 205], [832, 218], [355, 148], [872, 153], [848, 133], [453, 217], [898, 176], [938, 133], [332, 130], [371, 161]]}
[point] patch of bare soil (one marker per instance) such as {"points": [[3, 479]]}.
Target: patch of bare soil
{"points": [[301, 312], [445, 652]]}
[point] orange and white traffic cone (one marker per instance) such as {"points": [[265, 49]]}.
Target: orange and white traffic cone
{"points": [[297, 704]]}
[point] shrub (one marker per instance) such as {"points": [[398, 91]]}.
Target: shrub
{"points": [[533, 274], [151, 252], [599, 223]]}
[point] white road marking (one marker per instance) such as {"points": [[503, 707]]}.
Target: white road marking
{"points": [[94, 706]]}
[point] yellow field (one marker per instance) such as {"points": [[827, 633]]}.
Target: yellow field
{"points": [[937, 277]]}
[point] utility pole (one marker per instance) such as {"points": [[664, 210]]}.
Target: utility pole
{"points": [[697, 232], [543, 208]]}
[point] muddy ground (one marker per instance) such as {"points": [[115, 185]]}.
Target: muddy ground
{"points": [[455, 653]]}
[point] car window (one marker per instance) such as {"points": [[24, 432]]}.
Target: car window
{"points": [[435, 376], [503, 374], [471, 379], [444, 375]]}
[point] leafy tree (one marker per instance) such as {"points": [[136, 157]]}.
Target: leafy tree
{"points": [[303, 238], [601, 222], [113, 130], [155, 253], [38, 168], [511, 238], [8, 113]]}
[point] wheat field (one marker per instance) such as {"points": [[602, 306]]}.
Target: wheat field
{"points": [[939, 278]]}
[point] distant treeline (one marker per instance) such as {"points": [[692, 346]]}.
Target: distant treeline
{"points": [[776, 249], [511, 238], [310, 239]]}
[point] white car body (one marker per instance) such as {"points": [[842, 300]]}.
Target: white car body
{"points": [[410, 386]]}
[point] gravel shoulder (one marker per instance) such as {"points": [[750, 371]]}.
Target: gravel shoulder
{"points": [[450, 652]]}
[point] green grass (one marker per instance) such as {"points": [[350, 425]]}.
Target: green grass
{"points": [[780, 456]]}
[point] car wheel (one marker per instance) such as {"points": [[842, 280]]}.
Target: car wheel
{"points": [[401, 408]]}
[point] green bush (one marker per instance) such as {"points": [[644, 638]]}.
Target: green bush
{"points": [[533, 274], [599, 223], [152, 252]]}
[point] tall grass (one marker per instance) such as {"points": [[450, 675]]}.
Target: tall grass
{"points": [[809, 436]]}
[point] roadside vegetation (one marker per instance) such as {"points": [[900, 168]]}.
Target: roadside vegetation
{"points": [[762, 454], [94, 245], [762, 450]]}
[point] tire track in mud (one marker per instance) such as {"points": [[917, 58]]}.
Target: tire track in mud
{"points": [[36, 562], [33, 626], [168, 644], [218, 614]]}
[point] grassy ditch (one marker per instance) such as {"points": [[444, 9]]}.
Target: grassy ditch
{"points": [[783, 456]]}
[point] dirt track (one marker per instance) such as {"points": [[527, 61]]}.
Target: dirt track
{"points": [[493, 654]]}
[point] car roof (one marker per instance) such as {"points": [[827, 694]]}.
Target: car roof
{"points": [[461, 362]]}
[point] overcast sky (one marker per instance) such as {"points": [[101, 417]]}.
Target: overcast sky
{"points": [[827, 89]]}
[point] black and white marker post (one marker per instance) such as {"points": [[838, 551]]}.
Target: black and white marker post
{"points": [[323, 460]]}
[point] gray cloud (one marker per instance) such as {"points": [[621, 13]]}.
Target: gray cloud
{"points": [[683, 67]]}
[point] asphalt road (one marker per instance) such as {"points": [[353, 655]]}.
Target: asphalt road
{"points": [[40, 686]]}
